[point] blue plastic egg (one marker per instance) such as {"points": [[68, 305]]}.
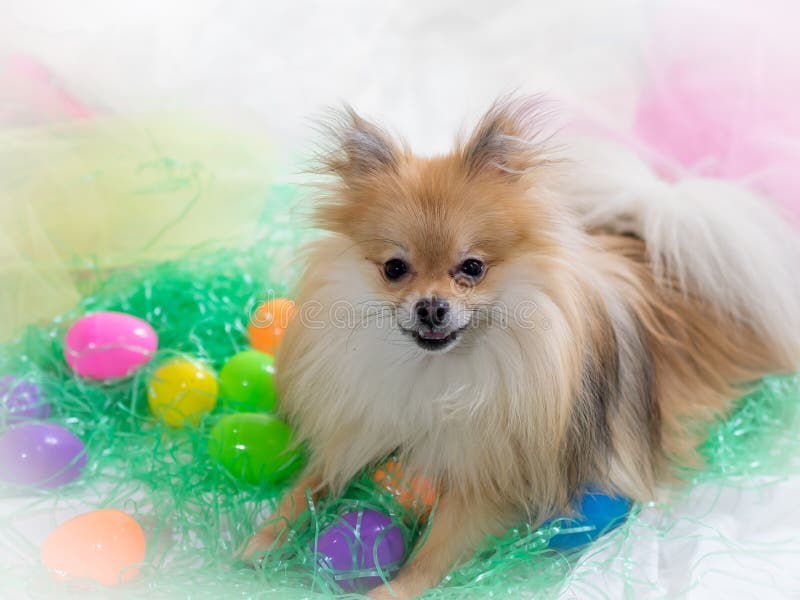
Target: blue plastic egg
{"points": [[596, 513]]}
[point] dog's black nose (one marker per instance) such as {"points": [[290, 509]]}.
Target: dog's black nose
{"points": [[432, 311]]}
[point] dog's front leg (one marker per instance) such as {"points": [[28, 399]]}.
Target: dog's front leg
{"points": [[293, 504], [457, 529]]}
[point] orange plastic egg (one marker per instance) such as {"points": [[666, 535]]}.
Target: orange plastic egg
{"points": [[416, 493], [104, 545], [269, 322]]}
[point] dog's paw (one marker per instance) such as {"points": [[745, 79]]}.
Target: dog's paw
{"points": [[252, 551], [397, 592]]}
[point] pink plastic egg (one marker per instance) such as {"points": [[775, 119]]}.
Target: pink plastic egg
{"points": [[109, 345]]}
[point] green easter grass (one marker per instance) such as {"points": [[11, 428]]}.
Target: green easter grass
{"points": [[195, 514]]}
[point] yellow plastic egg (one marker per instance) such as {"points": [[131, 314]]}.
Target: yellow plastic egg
{"points": [[181, 391]]}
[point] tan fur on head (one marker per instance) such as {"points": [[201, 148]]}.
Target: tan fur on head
{"points": [[578, 360]]}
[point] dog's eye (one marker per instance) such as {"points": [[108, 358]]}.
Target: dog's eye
{"points": [[395, 269], [472, 267]]}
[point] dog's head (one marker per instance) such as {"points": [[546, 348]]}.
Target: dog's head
{"points": [[443, 239]]}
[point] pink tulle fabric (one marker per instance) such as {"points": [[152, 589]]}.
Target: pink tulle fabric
{"points": [[31, 95], [721, 97]]}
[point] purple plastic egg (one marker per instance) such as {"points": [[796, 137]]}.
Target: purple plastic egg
{"points": [[21, 400], [42, 455], [109, 345], [354, 542]]}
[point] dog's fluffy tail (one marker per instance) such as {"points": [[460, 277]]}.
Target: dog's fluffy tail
{"points": [[718, 240]]}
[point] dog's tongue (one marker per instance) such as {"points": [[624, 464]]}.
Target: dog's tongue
{"points": [[433, 335]]}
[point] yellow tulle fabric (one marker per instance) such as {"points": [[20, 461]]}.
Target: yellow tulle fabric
{"points": [[109, 193]]}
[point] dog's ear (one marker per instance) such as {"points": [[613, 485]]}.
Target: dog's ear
{"points": [[357, 148], [508, 138]]}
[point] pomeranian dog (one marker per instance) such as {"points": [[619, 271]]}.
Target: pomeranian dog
{"points": [[516, 326]]}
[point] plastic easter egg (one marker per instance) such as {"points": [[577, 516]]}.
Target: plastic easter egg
{"points": [[21, 400], [247, 381], [104, 545], [43, 455], [181, 391], [417, 493], [354, 543], [109, 345], [257, 448], [268, 324], [596, 513]]}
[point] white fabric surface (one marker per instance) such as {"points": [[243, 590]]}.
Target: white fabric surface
{"points": [[425, 69]]}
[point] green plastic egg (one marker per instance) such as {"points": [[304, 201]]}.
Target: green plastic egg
{"points": [[247, 381], [257, 448]]}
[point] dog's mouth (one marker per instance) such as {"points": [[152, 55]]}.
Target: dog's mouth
{"points": [[434, 340]]}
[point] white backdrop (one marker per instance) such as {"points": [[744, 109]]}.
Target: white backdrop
{"points": [[423, 67]]}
